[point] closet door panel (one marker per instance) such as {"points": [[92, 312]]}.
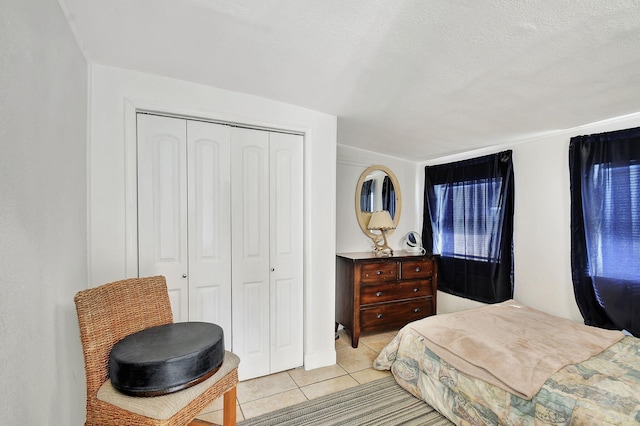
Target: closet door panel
{"points": [[286, 249], [179, 304], [162, 205], [250, 250], [209, 174]]}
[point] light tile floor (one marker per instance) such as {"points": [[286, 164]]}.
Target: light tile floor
{"points": [[270, 393]]}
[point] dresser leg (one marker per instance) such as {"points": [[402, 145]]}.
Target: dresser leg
{"points": [[355, 336]]}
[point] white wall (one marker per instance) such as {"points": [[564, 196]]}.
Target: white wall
{"points": [[351, 163], [542, 239], [43, 233], [115, 96]]}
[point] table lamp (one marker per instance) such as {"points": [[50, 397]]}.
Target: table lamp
{"points": [[381, 221]]}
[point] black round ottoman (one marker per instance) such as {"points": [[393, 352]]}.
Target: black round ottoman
{"points": [[166, 358]]}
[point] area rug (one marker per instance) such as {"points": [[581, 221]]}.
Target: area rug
{"points": [[381, 402]]}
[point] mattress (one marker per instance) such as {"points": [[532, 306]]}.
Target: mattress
{"points": [[604, 389]]}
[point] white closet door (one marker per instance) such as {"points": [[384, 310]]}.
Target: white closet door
{"points": [[162, 205], [209, 217], [227, 238], [250, 250], [286, 298]]}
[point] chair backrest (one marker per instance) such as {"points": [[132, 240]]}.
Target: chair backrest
{"points": [[108, 313]]}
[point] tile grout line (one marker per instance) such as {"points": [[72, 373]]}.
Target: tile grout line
{"points": [[363, 343], [347, 373]]}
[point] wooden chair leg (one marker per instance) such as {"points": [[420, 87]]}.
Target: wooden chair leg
{"points": [[228, 411], [229, 408]]}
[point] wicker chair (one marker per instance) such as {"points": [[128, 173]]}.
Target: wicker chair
{"points": [[108, 313]]}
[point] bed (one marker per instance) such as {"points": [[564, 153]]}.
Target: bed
{"points": [[508, 364]]}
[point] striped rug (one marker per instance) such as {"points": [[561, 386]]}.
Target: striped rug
{"points": [[382, 402]]}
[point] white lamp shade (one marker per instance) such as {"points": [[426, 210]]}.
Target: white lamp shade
{"points": [[381, 220]]}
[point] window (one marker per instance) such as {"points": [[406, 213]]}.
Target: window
{"points": [[605, 228], [612, 222], [467, 232], [367, 196], [468, 220]]}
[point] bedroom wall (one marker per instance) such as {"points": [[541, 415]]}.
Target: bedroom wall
{"points": [[115, 95], [351, 162], [542, 244], [43, 233]]}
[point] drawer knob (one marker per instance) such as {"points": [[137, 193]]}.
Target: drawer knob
{"points": [[418, 269], [379, 316], [379, 272], [378, 293], [416, 310], [415, 290]]}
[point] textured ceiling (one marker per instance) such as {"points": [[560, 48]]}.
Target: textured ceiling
{"points": [[415, 79]]}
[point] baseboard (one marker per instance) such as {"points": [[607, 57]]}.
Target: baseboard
{"points": [[320, 359]]}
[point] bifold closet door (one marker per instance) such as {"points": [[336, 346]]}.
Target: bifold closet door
{"points": [[286, 247], [184, 215], [162, 206], [209, 233], [267, 240]]}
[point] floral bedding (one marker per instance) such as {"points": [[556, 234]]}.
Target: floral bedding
{"points": [[603, 390]]}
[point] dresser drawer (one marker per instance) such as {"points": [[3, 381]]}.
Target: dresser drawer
{"points": [[395, 313], [377, 271], [412, 269], [395, 291]]}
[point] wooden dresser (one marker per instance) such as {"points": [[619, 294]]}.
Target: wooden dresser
{"points": [[378, 293]]}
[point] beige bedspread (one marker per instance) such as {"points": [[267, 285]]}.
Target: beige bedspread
{"points": [[511, 346]]}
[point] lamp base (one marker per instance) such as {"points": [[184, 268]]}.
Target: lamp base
{"points": [[381, 248], [381, 252]]}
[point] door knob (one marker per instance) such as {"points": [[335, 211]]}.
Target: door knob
{"points": [[184, 275]]}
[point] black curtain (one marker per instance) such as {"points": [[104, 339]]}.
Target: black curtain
{"points": [[468, 220], [605, 228], [389, 196], [366, 196]]}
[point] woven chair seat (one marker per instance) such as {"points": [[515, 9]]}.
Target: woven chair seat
{"points": [[166, 406], [166, 358]]}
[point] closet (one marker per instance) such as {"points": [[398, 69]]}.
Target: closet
{"points": [[220, 216]]}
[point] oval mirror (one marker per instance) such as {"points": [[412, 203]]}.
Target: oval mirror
{"points": [[377, 190]]}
